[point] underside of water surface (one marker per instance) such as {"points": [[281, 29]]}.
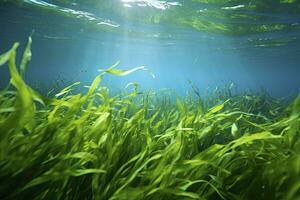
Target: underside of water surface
{"points": [[207, 106]]}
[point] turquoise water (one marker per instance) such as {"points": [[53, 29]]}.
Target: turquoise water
{"points": [[180, 100], [210, 43]]}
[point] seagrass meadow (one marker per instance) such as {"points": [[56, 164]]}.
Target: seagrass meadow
{"points": [[202, 101], [141, 145]]}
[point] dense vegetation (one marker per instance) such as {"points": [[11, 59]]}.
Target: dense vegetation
{"points": [[144, 146]]}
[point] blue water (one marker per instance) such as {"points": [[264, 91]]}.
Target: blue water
{"points": [[67, 49]]}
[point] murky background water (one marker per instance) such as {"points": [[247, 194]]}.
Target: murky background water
{"points": [[254, 44]]}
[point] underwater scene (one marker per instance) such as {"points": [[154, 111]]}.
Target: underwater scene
{"points": [[150, 99]]}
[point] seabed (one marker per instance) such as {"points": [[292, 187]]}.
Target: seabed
{"points": [[136, 145]]}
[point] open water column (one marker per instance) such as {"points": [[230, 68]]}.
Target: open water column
{"points": [[150, 99]]}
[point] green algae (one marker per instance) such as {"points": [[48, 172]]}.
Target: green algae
{"points": [[97, 146]]}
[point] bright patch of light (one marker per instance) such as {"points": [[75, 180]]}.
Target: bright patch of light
{"points": [[76, 13], [127, 5], [233, 7], [161, 5], [142, 4]]}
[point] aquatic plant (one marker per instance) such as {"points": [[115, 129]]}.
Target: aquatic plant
{"points": [[139, 146]]}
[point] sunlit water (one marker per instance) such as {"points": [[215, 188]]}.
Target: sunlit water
{"points": [[254, 44]]}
